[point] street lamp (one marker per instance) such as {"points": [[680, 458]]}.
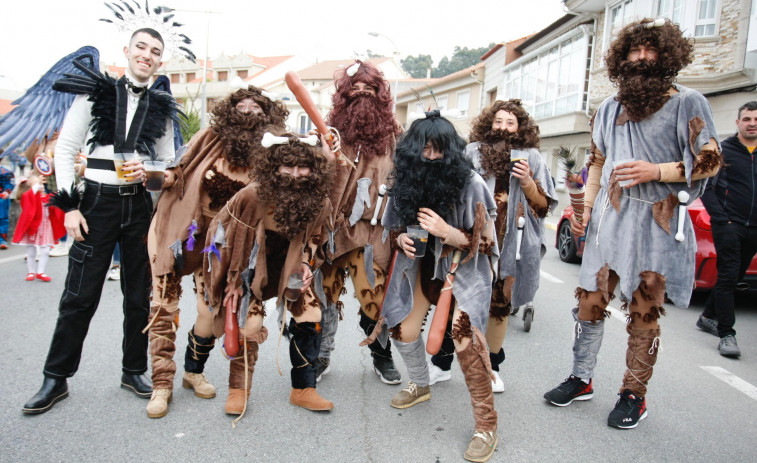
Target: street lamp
{"points": [[396, 63]]}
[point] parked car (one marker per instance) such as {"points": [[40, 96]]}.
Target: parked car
{"points": [[571, 249]]}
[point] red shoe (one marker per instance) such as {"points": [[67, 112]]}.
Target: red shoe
{"points": [[3, 246], [43, 277], [30, 276]]}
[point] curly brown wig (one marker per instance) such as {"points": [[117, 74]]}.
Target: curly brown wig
{"points": [[643, 85], [298, 201], [363, 119], [496, 144], [242, 132]]}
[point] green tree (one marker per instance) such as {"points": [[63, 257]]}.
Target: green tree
{"points": [[417, 66], [190, 126], [461, 58]]}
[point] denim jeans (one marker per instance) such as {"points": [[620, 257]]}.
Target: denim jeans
{"points": [[112, 217], [735, 245]]}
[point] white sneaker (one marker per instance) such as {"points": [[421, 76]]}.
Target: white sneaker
{"points": [[114, 273], [497, 384], [60, 249], [437, 374]]}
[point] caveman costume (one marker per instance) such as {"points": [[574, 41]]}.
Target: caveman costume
{"points": [[367, 130], [634, 242], [269, 231], [217, 164]]}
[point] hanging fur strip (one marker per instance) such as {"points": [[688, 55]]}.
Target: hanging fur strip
{"points": [[66, 200]]}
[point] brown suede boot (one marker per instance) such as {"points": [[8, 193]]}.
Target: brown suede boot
{"points": [[240, 380], [641, 357], [162, 343], [474, 362], [310, 399]]}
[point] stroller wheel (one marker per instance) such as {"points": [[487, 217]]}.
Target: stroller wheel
{"points": [[528, 317]]}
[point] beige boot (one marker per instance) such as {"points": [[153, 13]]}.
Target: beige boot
{"points": [[200, 384], [158, 406], [236, 401], [310, 399], [240, 379], [482, 446]]}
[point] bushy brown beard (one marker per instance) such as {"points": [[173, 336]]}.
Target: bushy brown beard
{"points": [[495, 151], [298, 201], [362, 124], [241, 136], [642, 88]]}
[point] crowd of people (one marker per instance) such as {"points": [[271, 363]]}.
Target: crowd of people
{"points": [[256, 213]]}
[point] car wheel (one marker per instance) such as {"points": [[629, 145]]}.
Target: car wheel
{"points": [[566, 245]]}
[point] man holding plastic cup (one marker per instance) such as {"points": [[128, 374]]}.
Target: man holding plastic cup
{"points": [[118, 120]]}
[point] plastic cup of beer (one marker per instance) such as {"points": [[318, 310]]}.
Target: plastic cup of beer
{"points": [[295, 283], [154, 172], [419, 237], [119, 159], [517, 155], [619, 163]]}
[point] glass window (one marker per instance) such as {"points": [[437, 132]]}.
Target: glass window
{"points": [[190, 76], [463, 102], [175, 78], [672, 9], [441, 102], [223, 76], [242, 74], [705, 24]]}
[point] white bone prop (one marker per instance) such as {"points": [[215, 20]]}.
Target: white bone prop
{"points": [[352, 70], [381, 192], [659, 22], [683, 198], [270, 95], [270, 139], [521, 223]]}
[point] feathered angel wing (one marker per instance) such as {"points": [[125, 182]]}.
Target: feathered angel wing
{"points": [[41, 110]]}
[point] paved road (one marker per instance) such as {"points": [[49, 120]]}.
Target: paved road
{"points": [[694, 415]]}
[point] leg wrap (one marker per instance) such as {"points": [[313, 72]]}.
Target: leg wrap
{"points": [[304, 345], [329, 325], [162, 343], [474, 362], [496, 359], [443, 359], [414, 356], [641, 357], [198, 351], [240, 377], [377, 350], [588, 340]]}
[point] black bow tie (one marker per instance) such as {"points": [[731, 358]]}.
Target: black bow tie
{"points": [[134, 88]]}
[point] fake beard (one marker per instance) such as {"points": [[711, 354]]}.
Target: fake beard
{"points": [[642, 88], [297, 201], [240, 138], [365, 126], [495, 152]]}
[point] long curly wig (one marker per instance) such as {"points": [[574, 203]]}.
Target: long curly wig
{"points": [[298, 201], [643, 85], [363, 119], [418, 182], [496, 144], [242, 132]]}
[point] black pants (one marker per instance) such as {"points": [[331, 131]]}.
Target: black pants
{"points": [[735, 245], [114, 216]]}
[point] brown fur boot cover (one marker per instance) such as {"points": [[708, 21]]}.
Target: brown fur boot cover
{"points": [[474, 362], [162, 344], [641, 357], [240, 379]]}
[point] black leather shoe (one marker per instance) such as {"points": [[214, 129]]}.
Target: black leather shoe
{"points": [[138, 384], [52, 391]]}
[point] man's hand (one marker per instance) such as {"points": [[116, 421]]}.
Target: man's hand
{"points": [[307, 277], [638, 172], [169, 178], [406, 243], [433, 223], [74, 223], [231, 299], [579, 228], [327, 150], [522, 171]]}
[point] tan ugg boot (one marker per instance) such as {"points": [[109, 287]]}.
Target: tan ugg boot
{"points": [[158, 406], [240, 379], [236, 401], [200, 384], [310, 399]]}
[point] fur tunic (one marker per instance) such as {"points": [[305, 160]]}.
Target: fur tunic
{"points": [[633, 230], [473, 282]]}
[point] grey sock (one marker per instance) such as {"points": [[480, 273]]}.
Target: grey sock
{"points": [[414, 356]]}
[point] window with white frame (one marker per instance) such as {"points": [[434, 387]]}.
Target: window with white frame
{"points": [[463, 102], [441, 102], [706, 24], [672, 9], [553, 81]]}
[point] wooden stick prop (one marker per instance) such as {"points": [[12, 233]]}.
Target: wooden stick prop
{"points": [[441, 314], [380, 322], [303, 97]]}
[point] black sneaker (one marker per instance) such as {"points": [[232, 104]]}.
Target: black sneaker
{"points": [[385, 369], [322, 366], [629, 410], [707, 325], [571, 389]]}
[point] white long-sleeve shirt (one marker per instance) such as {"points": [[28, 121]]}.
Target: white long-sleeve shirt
{"points": [[75, 132]]}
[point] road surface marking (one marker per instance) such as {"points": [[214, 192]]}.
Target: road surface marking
{"points": [[551, 278], [617, 314], [732, 380], [11, 259]]}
